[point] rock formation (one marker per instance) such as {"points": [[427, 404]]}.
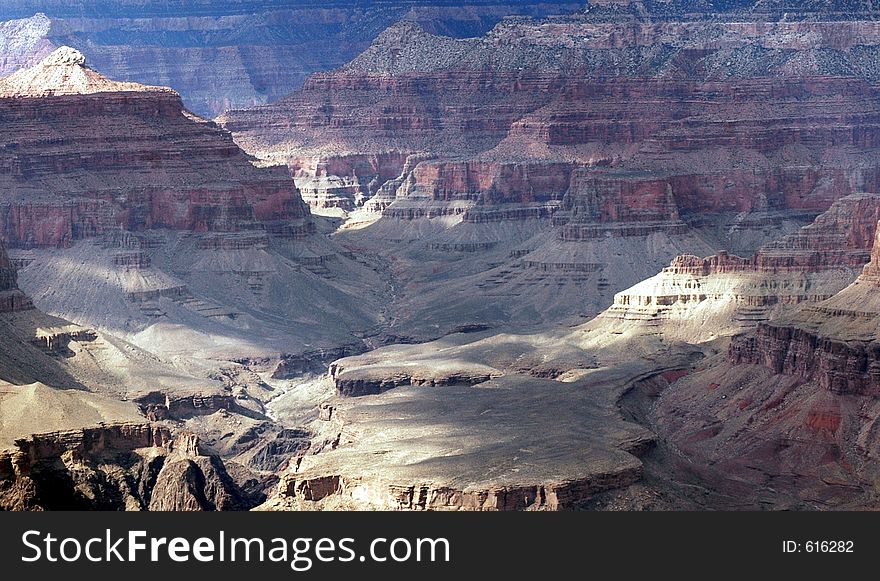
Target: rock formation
{"points": [[578, 105], [171, 218], [23, 43], [115, 467], [491, 446], [77, 441], [551, 148], [166, 267], [11, 298], [833, 343], [61, 185], [696, 299], [485, 197], [235, 54], [789, 407]]}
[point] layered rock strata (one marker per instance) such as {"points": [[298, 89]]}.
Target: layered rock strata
{"points": [[550, 150], [115, 467], [474, 421], [85, 156], [833, 343], [765, 129], [723, 293], [504, 465], [11, 298]]}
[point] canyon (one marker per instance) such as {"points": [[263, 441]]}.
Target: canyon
{"points": [[622, 257], [75, 445], [109, 186], [550, 148]]}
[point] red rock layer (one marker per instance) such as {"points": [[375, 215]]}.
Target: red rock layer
{"points": [[835, 342], [340, 181], [490, 182], [841, 237], [839, 366], [730, 115], [599, 204], [78, 165]]}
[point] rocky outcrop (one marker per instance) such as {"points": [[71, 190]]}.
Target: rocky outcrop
{"points": [[315, 361], [723, 294], [161, 406], [837, 365], [597, 206], [791, 407], [833, 343], [344, 181], [115, 467], [378, 371], [428, 447], [23, 43], [11, 298], [84, 156], [387, 496], [191, 481]]}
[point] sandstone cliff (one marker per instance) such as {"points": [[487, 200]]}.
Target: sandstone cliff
{"points": [[832, 343], [559, 91], [62, 183], [173, 237], [697, 299]]}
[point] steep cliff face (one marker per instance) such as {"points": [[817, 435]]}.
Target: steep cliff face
{"points": [[115, 467], [138, 221], [791, 405], [11, 298], [739, 100], [220, 56], [84, 156], [833, 343]]}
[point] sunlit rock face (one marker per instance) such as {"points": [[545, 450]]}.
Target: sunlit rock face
{"points": [[23, 43], [230, 54], [159, 228], [696, 299], [833, 343]]}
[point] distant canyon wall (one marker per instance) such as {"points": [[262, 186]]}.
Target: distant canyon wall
{"points": [[231, 54], [689, 117]]}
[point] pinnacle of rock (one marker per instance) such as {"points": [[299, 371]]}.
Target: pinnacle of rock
{"points": [[64, 72], [64, 56]]}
